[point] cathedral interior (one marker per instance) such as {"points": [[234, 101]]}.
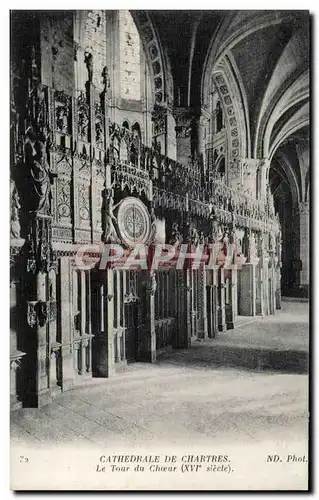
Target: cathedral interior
{"points": [[171, 127]]}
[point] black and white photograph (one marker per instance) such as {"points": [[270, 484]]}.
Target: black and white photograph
{"points": [[159, 249]]}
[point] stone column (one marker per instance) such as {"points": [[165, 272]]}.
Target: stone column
{"points": [[15, 364], [212, 303], [164, 130], [54, 368], [231, 307], [147, 342], [66, 326], [202, 303], [304, 243], [184, 118], [254, 173], [221, 301], [247, 290], [105, 344], [43, 368], [261, 272], [272, 286], [183, 335]]}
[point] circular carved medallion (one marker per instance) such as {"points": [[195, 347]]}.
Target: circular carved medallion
{"points": [[133, 221]]}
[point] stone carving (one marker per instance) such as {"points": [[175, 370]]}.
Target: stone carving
{"points": [[83, 117], [88, 59], [84, 204], [133, 221], [42, 311], [151, 285], [105, 78], [99, 133], [64, 199], [15, 208], [40, 251], [32, 316], [62, 112], [62, 119], [192, 236], [270, 202], [176, 237], [159, 121], [253, 250], [110, 233], [39, 176]]}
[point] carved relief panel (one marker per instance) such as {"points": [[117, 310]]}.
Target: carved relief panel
{"points": [[61, 116], [98, 183], [82, 187]]}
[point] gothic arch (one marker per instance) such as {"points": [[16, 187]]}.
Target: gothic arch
{"points": [[291, 177], [235, 109], [294, 96], [232, 30], [298, 121], [154, 55], [221, 165]]}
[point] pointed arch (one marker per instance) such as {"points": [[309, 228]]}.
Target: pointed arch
{"points": [[154, 55]]}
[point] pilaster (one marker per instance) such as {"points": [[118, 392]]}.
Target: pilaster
{"points": [[164, 131], [304, 243], [221, 301], [212, 302], [147, 340], [66, 323], [183, 334], [202, 304], [184, 129]]}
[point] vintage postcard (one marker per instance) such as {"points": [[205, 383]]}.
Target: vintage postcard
{"points": [[159, 249]]}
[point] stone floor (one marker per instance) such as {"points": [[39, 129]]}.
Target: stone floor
{"points": [[173, 401], [278, 342]]}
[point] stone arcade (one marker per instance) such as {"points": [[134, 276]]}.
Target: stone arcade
{"points": [[121, 134]]}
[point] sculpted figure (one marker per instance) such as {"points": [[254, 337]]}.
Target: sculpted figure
{"points": [[106, 78], [88, 59], [110, 222], [176, 235], [39, 176], [193, 237], [15, 207]]}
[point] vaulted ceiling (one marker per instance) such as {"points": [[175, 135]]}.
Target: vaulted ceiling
{"points": [[268, 52]]}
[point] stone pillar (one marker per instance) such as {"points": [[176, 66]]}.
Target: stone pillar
{"points": [[164, 130], [304, 243], [147, 342], [66, 326], [221, 301], [43, 367], [260, 298], [105, 342], [278, 285], [171, 136], [54, 368], [183, 335], [15, 363], [247, 290], [231, 307], [202, 303], [254, 173], [185, 130], [261, 273], [272, 286], [212, 303]]}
